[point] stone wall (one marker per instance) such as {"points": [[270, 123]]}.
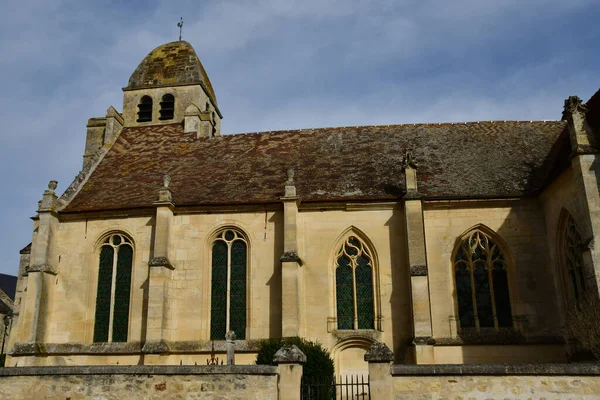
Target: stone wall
{"points": [[70, 309], [559, 199], [520, 225], [183, 317], [526, 381], [139, 382], [184, 96]]}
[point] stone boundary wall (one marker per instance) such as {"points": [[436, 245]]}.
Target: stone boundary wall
{"points": [[524, 381], [258, 382], [496, 369]]}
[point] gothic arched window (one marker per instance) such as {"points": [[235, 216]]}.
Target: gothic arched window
{"points": [[228, 287], [114, 289], [167, 107], [573, 259], [481, 278], [354, 286], [145, 109]]}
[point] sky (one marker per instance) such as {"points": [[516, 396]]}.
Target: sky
{"points": [[280, 64]]}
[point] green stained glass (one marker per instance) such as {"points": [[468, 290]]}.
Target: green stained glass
{"points": [[483, 296], [496, 254], [501, 295], [237, 299], [477, 292], [103, 295], [464, 295], [364, 294], [344, 294], [218, 304], [478, 254], [460, 255], [354, 242], [352, 247], [122, 293]]}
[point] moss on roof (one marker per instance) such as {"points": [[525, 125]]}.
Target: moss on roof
{"points": [[466, 160], [172, 64]]}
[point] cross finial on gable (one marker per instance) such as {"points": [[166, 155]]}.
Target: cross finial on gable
{"points": [[409, 160], [180, 25]]}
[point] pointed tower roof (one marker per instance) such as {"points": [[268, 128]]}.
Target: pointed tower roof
{"points": [[172, 64]]}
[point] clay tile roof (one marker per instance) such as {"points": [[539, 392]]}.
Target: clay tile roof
{"points": [[467, 160], [171, 64]]}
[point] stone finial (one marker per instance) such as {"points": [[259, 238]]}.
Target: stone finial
{"points": [[379, 353], [409, 160], [289, 354], [52, 185], [409, 165], [230, 336], [49, 198], [164, 194], [290, 177], [290, 188], [114, 125], [112, 112], [573, 105]]}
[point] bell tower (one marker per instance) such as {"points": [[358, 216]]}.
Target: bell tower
{"points": [[169, 81]]}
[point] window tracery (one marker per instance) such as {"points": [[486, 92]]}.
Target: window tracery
{"points": [[354, 286], [114, 289], [481, 279], [228, 286]]}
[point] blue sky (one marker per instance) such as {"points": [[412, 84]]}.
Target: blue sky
{"points": [[280, 64]]}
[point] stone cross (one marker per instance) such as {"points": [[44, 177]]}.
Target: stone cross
{"points": [[180, 25], [230, 338]]}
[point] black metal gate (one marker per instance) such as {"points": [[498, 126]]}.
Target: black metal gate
{"points": [[349, 387]]}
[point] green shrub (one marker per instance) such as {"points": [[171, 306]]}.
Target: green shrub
{"points": [[318, 361]]}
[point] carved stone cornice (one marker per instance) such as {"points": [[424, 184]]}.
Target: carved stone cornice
{"points": [[423, 340], [39, 348], [47, 268], [360, 334], [161, 262], [174, 347], [156, 347], [504, 336], [418, 270], [290, 256]]}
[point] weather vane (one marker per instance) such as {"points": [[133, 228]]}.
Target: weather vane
{"points": [[180, 25]]}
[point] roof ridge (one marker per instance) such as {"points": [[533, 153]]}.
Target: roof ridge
{"points": [[390, 126]]}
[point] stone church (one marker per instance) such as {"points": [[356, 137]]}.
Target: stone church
{"points": [[450, 243]]}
